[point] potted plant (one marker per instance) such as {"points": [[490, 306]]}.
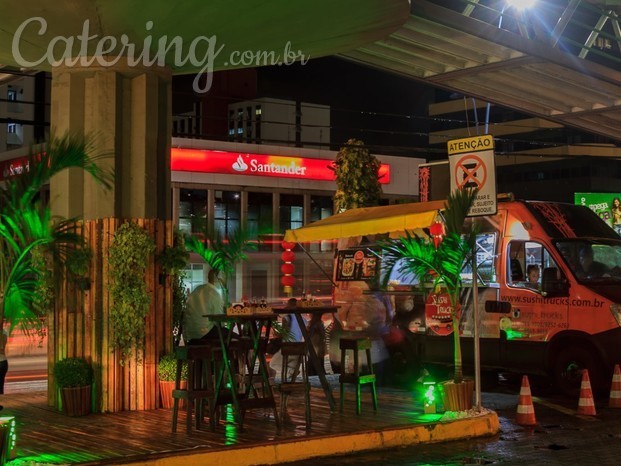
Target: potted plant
{"points": [[441, 261], [221, 254], [78, 263], [74, 378], [167, 372]]}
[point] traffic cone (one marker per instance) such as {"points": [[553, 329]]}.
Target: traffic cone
{"points": [[586, 405], [615, 389], [525, 410]]}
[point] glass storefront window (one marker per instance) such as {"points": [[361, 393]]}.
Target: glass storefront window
{"points": [[321, 207], [260, 214], [194, 275], [227, 212], [291, 212], [193, 211]]}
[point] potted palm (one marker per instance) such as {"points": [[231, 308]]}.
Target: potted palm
{"points": [[440, 262], [167, 373], [74, 379], [221, 254]]}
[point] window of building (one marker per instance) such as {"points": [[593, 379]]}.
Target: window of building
{"points": [[260, 209], [248, 124], [227, 212], [231, 124], [194, 275], [321, 207], [193, 211], [257, 123], [291, 213], [11, 128]]}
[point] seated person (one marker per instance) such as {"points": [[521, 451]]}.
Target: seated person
{"points": [[204, 301], [291, 332], [589, 267], [532, 276]]}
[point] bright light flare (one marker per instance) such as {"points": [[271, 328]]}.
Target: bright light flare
{"points": [[521, 4]]}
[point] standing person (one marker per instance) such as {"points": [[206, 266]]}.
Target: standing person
{"points": [[616, 215]]}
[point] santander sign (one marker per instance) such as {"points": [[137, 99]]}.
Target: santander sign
{"points": [[235, 163]]}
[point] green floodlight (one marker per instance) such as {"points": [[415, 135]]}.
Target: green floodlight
{"points": [[521, 4], [7, 439]]}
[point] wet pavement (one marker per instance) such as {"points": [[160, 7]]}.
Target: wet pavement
{"points": [[560, 438]]}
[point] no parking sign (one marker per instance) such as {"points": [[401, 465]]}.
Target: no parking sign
{"points": [[471, 162]]}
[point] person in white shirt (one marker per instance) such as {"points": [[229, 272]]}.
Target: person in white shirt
{"points": [[204, 301]]}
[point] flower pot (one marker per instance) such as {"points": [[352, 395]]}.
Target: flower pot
{"points": [[457, 396], [166, 389], [76, 400]]}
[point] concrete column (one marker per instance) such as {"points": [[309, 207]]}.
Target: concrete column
{"points": [[127, 112]]}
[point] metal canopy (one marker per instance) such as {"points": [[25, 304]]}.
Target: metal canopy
{"points": [[317, 28], [452, 50]]}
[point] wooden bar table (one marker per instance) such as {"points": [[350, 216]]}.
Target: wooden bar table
{"points": [[316, 311], [254, 325]]}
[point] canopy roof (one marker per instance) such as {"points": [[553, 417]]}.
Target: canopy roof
{"points": [[317, 28], [368, 221]]}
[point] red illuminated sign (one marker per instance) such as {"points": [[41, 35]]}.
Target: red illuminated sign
{"points": [[237, 163], [12, 167]]}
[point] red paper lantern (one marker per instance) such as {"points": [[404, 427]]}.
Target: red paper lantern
{"points": [[437, 233], [287, 256], [287, 269], [287, 245], [288, 280]]}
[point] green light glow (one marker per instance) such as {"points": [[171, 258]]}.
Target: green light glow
{"points": [[512, 334], [429, 395]]}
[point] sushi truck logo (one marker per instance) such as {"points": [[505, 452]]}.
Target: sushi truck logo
{"points": [[600, 203], [438, 314]]}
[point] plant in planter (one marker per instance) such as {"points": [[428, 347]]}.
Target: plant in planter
{"points": [[222, 254], [440, 261], [74, 377], [129, 258], [167, 372]]}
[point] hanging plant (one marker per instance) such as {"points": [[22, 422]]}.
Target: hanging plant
{"points": [[129, 258], [173, 260], [357, 177], [78, 264]]}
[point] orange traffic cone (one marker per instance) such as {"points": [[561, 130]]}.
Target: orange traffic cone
{"points": [[615, 389], [586, 405], [525, 410]]}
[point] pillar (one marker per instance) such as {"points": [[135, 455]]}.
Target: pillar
{"points": [[127, 112]]}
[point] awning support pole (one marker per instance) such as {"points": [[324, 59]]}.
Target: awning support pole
{"points": [[318, 266]]}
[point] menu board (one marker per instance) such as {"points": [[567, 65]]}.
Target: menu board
{"points": [[358, 265]]}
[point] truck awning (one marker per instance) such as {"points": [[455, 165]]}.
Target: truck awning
{"points": [[368, 221]]}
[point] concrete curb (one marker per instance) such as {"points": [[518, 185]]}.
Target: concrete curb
{"points": [[482, 425]]}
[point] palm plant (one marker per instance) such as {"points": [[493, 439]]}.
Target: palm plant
{"points": [[441, 264], [28, 229], [222, 254]]}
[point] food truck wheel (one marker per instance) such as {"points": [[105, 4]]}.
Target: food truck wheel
{"points": [[568, 366]]}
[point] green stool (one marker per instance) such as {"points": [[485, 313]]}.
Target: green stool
{"points": [[356, 345]]}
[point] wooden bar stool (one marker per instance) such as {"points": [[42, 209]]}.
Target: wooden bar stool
{"points": [[289, 384], [200, 386], [356, 345]]}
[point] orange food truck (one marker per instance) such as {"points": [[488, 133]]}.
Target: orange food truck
{"points": [[565, 320]]}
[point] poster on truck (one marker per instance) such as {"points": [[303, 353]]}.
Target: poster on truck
{"points": [[357, 265], [606, 205]]}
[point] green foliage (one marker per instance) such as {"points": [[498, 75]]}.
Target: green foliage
{"points": [[173, 261], [222, 254], [167, 368], [26, 225], [357, 179], [72, 372], [129, 258], [442, 266]]}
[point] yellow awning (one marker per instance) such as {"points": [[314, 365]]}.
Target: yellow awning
{"points": [[368, 221]]}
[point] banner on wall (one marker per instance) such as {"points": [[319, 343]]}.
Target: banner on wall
{"points": [[600, 203]]}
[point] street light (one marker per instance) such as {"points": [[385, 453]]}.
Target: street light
{"points": [[521, 4]]}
